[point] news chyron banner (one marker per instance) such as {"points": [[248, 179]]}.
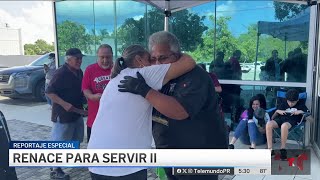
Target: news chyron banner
{"points": [[183, 161]]}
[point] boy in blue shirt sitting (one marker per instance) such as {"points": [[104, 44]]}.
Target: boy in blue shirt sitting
{"points": [[286, 116]]}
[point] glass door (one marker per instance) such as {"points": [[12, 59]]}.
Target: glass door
{"points": [[316, 107], [317, 126]]}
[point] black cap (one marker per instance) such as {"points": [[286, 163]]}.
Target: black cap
{"points": [[52, 55], [74, 52]]}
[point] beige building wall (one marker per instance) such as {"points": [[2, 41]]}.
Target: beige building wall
{"points": [[10, 42]]}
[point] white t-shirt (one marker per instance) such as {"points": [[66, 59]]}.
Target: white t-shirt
{"points": [[124, 120]]}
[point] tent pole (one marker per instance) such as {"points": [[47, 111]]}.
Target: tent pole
{"points": [[255, 64], [115, 28], [166, 23], [147, 30], [215, 30], [167, 13], [285, 47]]}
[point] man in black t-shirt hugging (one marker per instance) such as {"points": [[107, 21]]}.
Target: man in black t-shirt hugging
{"points": [[287, 115], [186, 113]]}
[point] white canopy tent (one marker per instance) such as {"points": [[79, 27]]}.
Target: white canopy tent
{"points": [[169, 6]]}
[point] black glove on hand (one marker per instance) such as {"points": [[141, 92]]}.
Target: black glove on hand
{"points": [[134, 85]]}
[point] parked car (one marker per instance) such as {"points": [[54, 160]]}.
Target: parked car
{"points": [[259, 63], [245, 68], [207, 64], [24, 81]]}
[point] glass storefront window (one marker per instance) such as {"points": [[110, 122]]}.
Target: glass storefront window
{"points": [[103, 29], [247, 40], [241, 40], [236, 98], [75, 28], [134, 26], [137, 25], [271, 47], [192, 27], [92, 23]]}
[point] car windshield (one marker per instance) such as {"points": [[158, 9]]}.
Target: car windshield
{"points": [[41, 61]]}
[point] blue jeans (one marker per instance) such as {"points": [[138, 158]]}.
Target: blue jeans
{"points": [[249, 133], [72, 131], [48, 99]]}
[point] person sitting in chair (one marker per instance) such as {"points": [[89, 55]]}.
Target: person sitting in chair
{"points": [[251, 128], [286, 116]]}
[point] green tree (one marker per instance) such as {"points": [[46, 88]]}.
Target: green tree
{"points": [[187, 26], [225, 41], [247, 43], [285, 11], [72, 34], [38, 48], [268, 44], [131, 32]]}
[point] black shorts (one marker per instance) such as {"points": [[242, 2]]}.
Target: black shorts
{"points": [[280, 121]]}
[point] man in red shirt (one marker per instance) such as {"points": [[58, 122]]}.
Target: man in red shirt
{"points": [[95, 79]]}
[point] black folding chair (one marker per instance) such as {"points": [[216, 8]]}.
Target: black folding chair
{"points": [[297, 132]]}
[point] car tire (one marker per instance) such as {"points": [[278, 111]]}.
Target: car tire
{"points": [[39, 91]]}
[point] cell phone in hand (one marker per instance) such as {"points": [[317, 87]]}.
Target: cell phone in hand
{"points": [[288, 112]]}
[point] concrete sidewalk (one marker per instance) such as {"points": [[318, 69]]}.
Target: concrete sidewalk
{"points": [[31, 121], [22, 130]]}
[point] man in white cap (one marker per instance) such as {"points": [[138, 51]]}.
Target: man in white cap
{"points": [[64, 90]]}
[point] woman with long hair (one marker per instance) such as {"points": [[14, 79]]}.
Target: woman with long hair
{"points": [[250, 130]]}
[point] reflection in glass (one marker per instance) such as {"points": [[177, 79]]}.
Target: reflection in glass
{"points": [[272, 37], [136, 25], [189, 27], [75, 28], [103, 29], [194, 28], [257, 32], [236, 98]]}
